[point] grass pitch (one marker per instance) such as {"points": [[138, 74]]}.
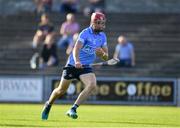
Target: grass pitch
{"points": [[90, 116]]}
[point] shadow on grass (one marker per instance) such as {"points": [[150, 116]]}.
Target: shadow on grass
{"points": [[84, 121], [128, 122], [10, 124], [120, 122], [19, 125]]}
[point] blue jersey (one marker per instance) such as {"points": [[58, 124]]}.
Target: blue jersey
{"points": [[90, 42], [125, 51]]}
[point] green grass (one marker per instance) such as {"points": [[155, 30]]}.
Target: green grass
{"points": [[90, 116]]}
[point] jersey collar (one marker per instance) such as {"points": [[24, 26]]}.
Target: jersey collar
{"points": [[91, 30]]}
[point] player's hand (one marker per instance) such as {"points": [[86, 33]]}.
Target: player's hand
{"points": [[99, 52], [78, 65]]}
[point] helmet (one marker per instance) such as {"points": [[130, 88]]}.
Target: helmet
{"points": [[97, 16]]}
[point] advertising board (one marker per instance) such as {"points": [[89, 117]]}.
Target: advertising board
{"points": [[20, 88], [126, 91]]}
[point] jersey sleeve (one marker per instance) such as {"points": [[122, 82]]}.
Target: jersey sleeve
{"points": [[82, 36], [104, 41]]}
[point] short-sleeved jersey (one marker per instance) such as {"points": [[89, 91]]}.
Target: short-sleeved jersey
{"points": [[90, 42], [125, 51]]}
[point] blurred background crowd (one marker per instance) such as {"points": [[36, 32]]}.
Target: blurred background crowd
{"points": [[38, 35]]}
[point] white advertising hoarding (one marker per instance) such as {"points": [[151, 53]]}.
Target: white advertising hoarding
{"points": [[21, 89]]}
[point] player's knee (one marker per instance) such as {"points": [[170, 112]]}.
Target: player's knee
{"points": [[60, 92], [92, 86]]}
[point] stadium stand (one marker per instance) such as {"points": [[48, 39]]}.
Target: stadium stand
{"points": [[156, 38]]}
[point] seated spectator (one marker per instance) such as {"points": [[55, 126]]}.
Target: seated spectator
{"points": [[67, 30], [43, 6], [94, 6], [45, 32], [71, 45], [48, 56], [124, 52], [69, 6], [34, 61]]}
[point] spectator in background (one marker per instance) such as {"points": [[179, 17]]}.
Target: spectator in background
{"points": [[67, 30], [71, 45], [94, 6], [124, 52], [69, 6], [48, 56], [43, 6], [45, 31]]}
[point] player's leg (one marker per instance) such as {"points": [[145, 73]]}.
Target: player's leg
{"points": [[89, 80], [90, 85], [59, 91]]}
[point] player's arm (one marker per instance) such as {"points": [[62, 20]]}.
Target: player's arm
{"points": [[69, 49], [105, 55], [76, 50], [102, 53]]}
